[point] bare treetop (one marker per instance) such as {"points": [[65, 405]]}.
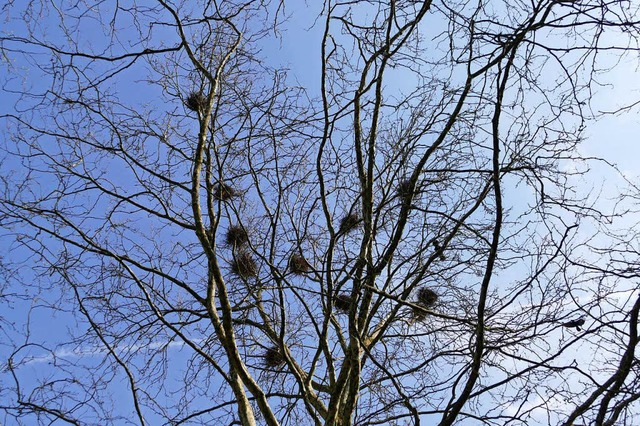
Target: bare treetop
{"points": [[349, 213]]}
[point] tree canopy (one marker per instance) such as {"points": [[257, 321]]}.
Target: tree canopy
{"points": [[348, 213]]}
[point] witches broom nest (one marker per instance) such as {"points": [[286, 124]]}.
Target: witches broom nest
{"points": [[404, 189], [273, 358], [426, 299], [244, 266], [349, 223], [196, 101], [236, 236], [342, 302], [223, 192], [298, 265]]}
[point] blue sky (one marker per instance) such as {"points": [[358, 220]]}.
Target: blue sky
{"points": [[613, 138]]}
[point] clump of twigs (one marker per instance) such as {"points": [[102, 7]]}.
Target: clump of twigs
{"points": [[244, 266], [237, 236], [342, 302], [349, 223], [298, 265], [273, 358], [196, 101], [439, 250], [223, 192], [426, 299], [404, 190]]}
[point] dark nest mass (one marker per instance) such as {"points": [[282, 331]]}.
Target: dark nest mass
{"points": [[244, 266], [298, 264], [236, 236], [196, 101], [439, 250], [342, 302], [222, 192], [426, 298], [349, 223], [273, 358], [404, 190]]}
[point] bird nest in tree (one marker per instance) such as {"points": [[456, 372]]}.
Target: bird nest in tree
{"points": [[426, 299], [237, 236], [404, 190], [349, 223], [439, 250], [273, 358], [342, 302], [222, 192], [244, 266], [196, 101], [298, 264]]}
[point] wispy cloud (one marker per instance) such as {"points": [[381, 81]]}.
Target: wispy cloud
{"points": [[69, 353]]}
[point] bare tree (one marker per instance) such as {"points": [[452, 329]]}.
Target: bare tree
{"points": [[402, 232]]}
